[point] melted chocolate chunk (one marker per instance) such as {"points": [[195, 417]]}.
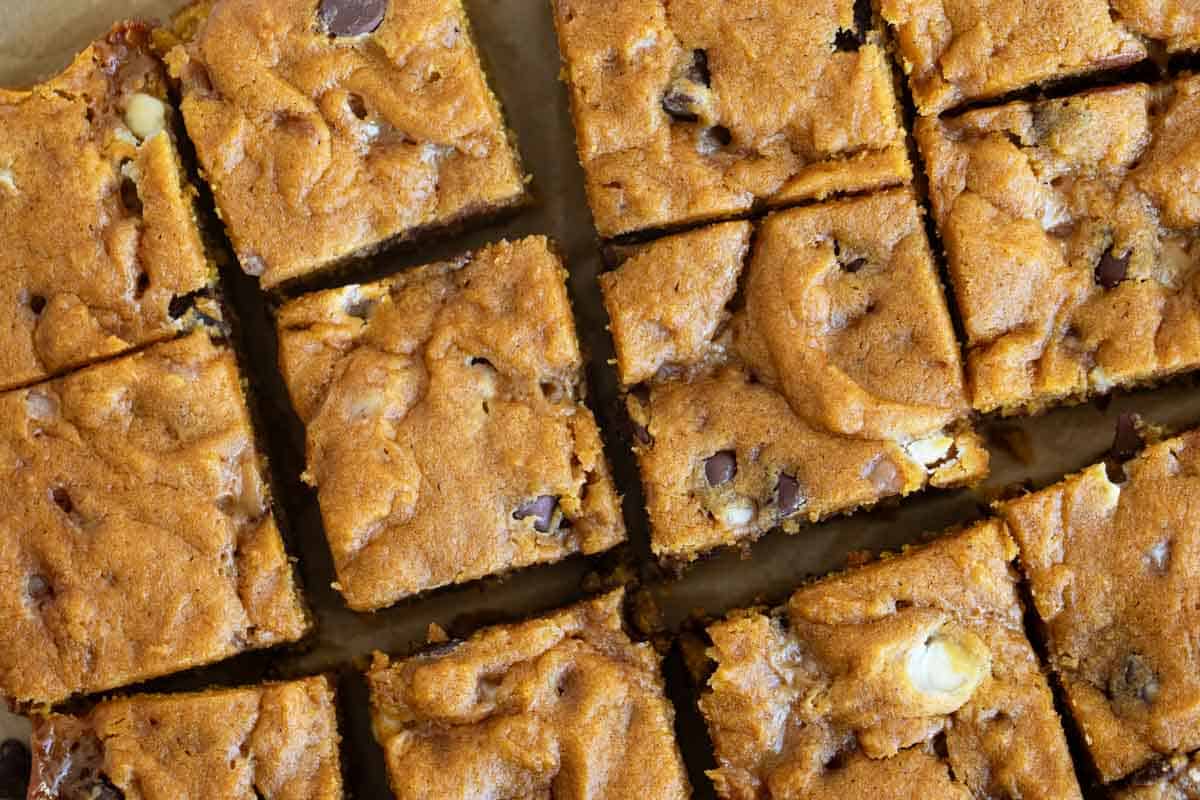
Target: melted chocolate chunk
{"points": [[351, 17], [1126, 439], [1112, 269], [541, 509], [720, 467], [787, 493]]}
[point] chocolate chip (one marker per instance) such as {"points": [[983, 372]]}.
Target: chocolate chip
{"points": [[37, 304], [62, 499], [357, 107], [787, 494], [479, 361], [855, 265], [697, 71], [143, 283], [678, 106], [351, 17], [1126, 439], [720, 467], [130, 199], [38, 589], [14, 769], [541, 509], [642, 434], [1112, 269], [1134, 679], [720, 135]]}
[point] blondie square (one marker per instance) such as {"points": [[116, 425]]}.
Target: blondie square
{"points": [[136, 536], [273, 742], [908, 678], [956, 51], [561, 706], [802, 370], [102, 252], [1072, 229], [328, 128], [688, 111], [1112, 565], [447, 436]]}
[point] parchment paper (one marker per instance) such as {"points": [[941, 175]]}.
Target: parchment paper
{"points": [[38, 37]]}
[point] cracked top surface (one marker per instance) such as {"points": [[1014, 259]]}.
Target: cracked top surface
{"points": [[447, 437], [910, 677], [840, 344], [319, 147], [97, 221], [136, 537], [960, 50], [562, 706], [1114, 578], [1070, 226], [691, 110], [273, 742]]}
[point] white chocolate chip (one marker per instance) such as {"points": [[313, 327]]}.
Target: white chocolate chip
{"points": [[1109, 494], [930, 450], [124, 135], [145, 115], [1099, 380], [946, 668], [738, 513], [7, 181]]}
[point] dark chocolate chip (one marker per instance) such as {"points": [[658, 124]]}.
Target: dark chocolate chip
{"points": [[855, 265], [678, 106], [642, 434], [62, 499], [37, 303], [1126, 439], [720, 135], [1112, 269], [787, 494], [360, 308], [1134, 678], [720, 467], [351, 17], [14, 769], [697, 71], [541, 509], [130, 199], [39, 589], [357, 106]]}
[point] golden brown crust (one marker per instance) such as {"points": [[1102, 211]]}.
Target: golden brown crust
{"points": [[910, 677], [959, 50], [1070, 228], [275, 742], [1113, 577], [97, 220], [565, 706], [318, 147], [438, 405], [689, 110], [837, 383], [138, 538]]}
